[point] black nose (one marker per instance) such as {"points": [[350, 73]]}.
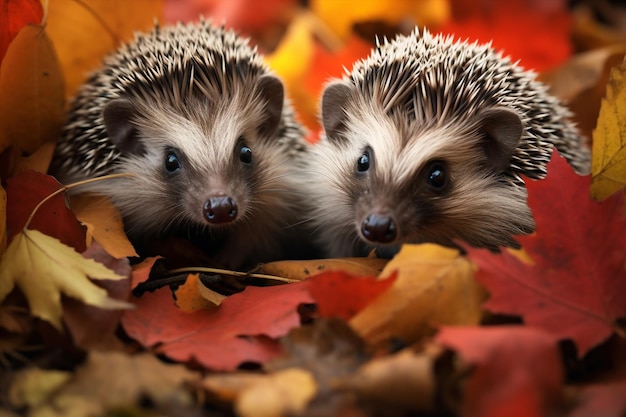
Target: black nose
{"points": [[220, 209], [379, 228]]}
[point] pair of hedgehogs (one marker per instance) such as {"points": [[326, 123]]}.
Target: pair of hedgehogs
{"points": [[425, 140]]}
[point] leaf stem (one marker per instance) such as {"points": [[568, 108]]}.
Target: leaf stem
{"points": [[64, 188]]}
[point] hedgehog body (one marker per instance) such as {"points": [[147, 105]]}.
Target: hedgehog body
{"points": [[203, 126], [426, 140]]}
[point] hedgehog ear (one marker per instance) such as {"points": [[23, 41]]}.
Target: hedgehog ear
{"points": [[122, 132], [334, 99], [503, 131], [272, 92]]}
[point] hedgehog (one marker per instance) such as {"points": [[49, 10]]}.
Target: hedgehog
{"points": [[203, 126], [427, 140]]}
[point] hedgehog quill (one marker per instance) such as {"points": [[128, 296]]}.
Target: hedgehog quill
{"points": [[426, 141], [204, 127]]}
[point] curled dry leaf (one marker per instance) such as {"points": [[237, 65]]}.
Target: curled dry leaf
{"points": [[303, 269], [435, 285], [44, 268], [104, 224], [608, 166], [32, 99], [194, 295]]}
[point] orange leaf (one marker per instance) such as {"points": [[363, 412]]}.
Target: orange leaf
{"points": [[104, 224], [31, 103], [194, 295], [83, 32]]}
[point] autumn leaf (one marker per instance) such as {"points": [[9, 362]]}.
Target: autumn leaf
{"points": [[608, 165], [243, 328], [576, 288], [104, 224], [340, 294], [83, 32], [24, 192], [105, 384], [435, 286], [194, 295], [15, 14], [44, 268], [32, 99], [516, 371], [303, 269]]}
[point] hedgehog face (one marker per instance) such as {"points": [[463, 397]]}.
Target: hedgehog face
{"points": [[208, 164], [399, 182]]}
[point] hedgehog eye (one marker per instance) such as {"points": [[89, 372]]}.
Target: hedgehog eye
{"points": [[437, 176], [363, 163], [172, 163], [245, 154]]}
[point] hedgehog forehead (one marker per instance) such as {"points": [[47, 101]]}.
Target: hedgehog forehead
{"points": [[174, 61]]}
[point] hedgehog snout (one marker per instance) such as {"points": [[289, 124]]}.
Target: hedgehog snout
{"points": [[379, 228], [220, 209]]}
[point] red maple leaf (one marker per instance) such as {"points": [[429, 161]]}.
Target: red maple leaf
{"points": [[576, 288], [516, 370], [244, 328], [519, 28], [24, 192]]}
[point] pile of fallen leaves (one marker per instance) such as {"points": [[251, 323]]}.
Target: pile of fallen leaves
{"points": [[535, 332]]}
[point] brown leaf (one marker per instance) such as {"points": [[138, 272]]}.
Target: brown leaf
{"points": [[194, 295], [32, 100], [435, 285], [108, 381], [95, 328]]}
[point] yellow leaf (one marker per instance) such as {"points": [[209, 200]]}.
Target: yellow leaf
{"points": [[282, 393], [608, 165], [32, 100], [104, 224], [341, 15], [32, 387], [83, 32], [43, 268], [435, 285], [3, 219]]}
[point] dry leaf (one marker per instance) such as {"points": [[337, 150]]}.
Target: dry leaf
{"points": [[83, 32], [301, 270], [282, 393], [404, 381], [608, 165], [194, 295], [31, 103], [38, 161], [44, 268], [104, 224], [435, 285]]}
